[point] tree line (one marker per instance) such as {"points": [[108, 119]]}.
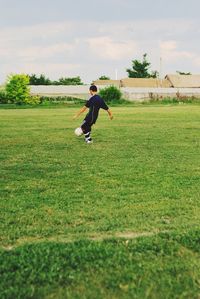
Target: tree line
{"points": [[43, 80]]}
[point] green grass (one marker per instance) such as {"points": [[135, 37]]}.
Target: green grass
{"points": [[161, 267], [115, 219]]}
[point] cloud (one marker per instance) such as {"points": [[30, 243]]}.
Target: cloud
{"points": [[170, 52], [40, 52], [91, 48], [107, 48], [49, 29], [34, 53], [168, 46], [49, 69]]}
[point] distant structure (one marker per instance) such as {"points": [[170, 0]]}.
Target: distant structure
{"points": [[133, 89], [116, 83], [170, 81], [144, 82], [183, 81]]}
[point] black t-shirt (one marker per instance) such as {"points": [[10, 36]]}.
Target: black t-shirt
{"points": [[94, 104]]}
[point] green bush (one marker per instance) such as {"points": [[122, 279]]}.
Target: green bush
{"points": [[111, 94], [3, 97], [61, 99], [33, 100], [17, 89]]}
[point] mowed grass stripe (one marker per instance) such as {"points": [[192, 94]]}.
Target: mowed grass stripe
{"points": [[127, 235]]}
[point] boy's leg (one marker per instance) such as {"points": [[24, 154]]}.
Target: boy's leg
{"points": [[87, 130], [88, 139]]}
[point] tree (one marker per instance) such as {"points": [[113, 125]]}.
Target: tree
{"points": [[154, 74], [140, 69], [17, 88], [183, 73], [70, 81], [40, 80], [104, 78]]}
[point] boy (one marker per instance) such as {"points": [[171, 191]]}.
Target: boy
{"points": [[94, 104]]}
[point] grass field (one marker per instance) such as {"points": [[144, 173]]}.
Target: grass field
{"points": [[116, 219]]}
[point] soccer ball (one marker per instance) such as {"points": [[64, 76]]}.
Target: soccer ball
{"points": [[78, 132]]}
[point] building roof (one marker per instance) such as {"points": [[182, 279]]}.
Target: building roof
{"points": [[184, 81], [176, 81], [107, 82], [144, 82]]}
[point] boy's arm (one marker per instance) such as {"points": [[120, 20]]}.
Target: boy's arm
{"points": [[110, 114], [79, 113]]}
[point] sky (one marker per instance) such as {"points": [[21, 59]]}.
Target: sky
{"points": [[91, 38]]}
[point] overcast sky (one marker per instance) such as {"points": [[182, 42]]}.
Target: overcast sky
{"points": [[91, 38]]}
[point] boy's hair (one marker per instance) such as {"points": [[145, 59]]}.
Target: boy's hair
{"points": [[93, 88]]}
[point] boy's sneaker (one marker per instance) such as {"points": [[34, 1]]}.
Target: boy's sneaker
{"points": [[89, 141]]}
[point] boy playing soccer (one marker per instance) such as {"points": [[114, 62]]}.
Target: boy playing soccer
{"points": [[95, 103]]}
